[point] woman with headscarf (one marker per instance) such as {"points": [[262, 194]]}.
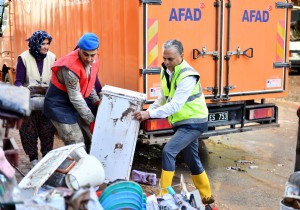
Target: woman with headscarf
{"points": [[34, 71]]}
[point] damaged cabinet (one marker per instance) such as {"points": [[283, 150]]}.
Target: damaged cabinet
{"points": [[47, 166], [116, 131]]}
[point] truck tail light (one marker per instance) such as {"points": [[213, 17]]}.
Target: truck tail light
{"points": [[261, 113], [157, 124]]}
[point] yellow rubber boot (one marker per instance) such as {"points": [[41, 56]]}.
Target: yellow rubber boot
{"points": [[201, 182], [165, 181]]}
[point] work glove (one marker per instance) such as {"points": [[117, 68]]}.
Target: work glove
{"points": [[92, 125], [94, 108], [100, 94], [96, 103]]}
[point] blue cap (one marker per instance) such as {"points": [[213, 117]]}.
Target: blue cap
{"points": [[88, 41]]}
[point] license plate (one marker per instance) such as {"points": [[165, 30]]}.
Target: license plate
{"points": [[218, 116]]}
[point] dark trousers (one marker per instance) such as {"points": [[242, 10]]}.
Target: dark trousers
{"points": [[185, 140], [33, 127]]}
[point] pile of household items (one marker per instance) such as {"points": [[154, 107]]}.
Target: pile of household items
{"points": [[69, 178], [291, 198]]}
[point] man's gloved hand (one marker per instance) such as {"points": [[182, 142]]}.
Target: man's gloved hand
{"points": [[94, 108], [96, 103], [92, 125], [100, 94]]}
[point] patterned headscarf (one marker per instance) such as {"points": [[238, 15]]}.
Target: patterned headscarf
{"points": [[35, 41]]}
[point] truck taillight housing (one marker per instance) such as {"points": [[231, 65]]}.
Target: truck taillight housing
{"points": [[261, 113], [157, 124]]}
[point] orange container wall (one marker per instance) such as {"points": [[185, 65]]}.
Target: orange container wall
{"points": [[253, 24], [192, 33], [119, 25], [114, 21]]}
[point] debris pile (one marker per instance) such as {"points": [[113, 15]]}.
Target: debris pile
{"points": [[291, 198], [239, 166]]}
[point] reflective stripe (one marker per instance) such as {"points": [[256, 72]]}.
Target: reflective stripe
{"points": [[190, 98], [190, 121], [182, 71], [193, 97]]}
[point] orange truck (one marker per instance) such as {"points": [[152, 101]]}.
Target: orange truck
{"points": [[240, 49]]}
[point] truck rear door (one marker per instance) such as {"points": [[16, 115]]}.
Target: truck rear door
{"points": [[191, 22], [238, 47], [254, 48]]}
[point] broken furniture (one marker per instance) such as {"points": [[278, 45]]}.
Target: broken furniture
{"points": [[14, 105], [45, 168], [116, 132]]}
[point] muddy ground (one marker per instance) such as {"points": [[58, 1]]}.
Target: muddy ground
{"points": [[257, 184], [247, 170]]}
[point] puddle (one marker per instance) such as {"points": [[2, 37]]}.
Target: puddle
{"points": [[223, 156]]}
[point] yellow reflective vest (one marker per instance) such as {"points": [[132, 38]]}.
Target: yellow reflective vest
{"points": [[194, 110]]}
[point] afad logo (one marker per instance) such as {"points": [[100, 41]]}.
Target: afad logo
{"points": [[257, 15], [186, 14]]}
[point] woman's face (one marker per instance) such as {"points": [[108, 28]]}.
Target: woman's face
{"points": [[45, 46]]}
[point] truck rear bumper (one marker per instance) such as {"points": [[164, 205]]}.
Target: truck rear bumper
{"points": [[239, 117]]}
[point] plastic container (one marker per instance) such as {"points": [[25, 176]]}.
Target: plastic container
{"points": [[87, 172], [118, 187], [122, 198], [284, 207], [123, 195]]}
